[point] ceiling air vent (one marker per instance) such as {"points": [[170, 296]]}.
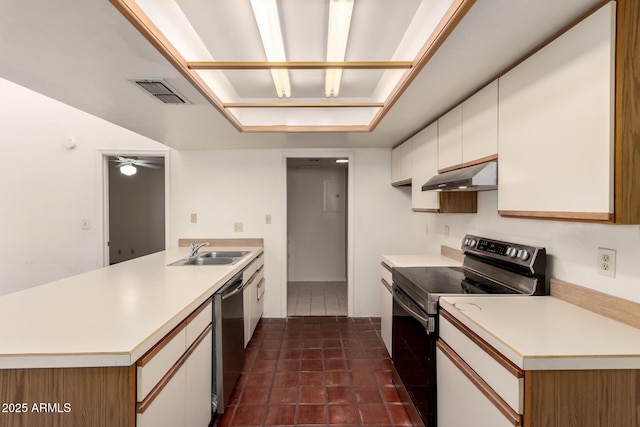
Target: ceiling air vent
{"points": [[161, 90]]}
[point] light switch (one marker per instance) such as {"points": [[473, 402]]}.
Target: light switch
{"points": [[267, 219], [86, 224], [237, 227], [194, 218]]}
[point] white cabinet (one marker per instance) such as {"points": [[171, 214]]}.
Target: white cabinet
{"points": [[253, 297], [454, 387], [401, 164], [174, 378], [556, 126], [386, 309], [480, 126], [468, 369], [198, 375], [450, 140], [424, 158]]}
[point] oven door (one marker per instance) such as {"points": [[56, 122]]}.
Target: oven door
{"points": [[414, 354]]}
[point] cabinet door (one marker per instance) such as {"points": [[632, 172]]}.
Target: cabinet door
{"points": [[246, 309], [386, 308], [198, 383], [480, 126], [425, 165], [257, 296], [167, 409], [450, 139], [401, 164], [556, 126], [461, 402]]}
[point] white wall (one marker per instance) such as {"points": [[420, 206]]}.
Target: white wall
{"points": [[571, 246], [46, 189], [316, 234], [227, 186]]}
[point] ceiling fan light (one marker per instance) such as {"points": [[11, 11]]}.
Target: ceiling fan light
{"points": [[268, 20], [340, 12], [128, 170]]}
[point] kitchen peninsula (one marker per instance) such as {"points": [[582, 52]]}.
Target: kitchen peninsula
{"points": [[70, 347]]}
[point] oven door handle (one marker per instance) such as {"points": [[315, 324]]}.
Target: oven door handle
{"points": [[428, 323]]}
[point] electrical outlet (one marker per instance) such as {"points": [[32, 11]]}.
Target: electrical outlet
{"points": [[237, 227], [194, 218], [607, 262], [86, 224]]}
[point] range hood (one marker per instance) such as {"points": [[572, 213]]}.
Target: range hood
{"points": [[473, 178]]}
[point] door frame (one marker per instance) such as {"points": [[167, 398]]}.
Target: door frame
{"points": [[103, 183], [311, 153]]}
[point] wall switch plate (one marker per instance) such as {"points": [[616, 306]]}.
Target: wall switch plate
{"points": [[607, 262], [267, 219], [446, 230], [194, 218], [86, 224], [426, 229], [237, 227]]}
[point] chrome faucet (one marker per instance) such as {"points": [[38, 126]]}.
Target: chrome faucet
{"points": [[193, 249]]}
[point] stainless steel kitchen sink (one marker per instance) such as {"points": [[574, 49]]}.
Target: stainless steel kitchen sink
{"points": [[223, 254], [213, 258]]}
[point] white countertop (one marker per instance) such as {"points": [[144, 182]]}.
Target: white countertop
{"points": [[106, 317], [420, 260], [546, 333]]}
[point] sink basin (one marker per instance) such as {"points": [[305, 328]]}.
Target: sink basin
{"points": [[223, 254], [213, 258]]}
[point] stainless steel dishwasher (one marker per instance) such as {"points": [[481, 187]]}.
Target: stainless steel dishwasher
{"points": [[229, 341]]}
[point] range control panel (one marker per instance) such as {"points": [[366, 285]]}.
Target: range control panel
{"points": [[511, 252]]}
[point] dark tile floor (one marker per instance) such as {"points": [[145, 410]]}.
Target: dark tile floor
{"points": [[317, 371]]}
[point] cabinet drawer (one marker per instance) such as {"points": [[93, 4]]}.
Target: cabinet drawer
{"points": [[168, 408], [464, 399], [385, 272], [250, 270], [506, 379], [198, 321], [157, 362]]}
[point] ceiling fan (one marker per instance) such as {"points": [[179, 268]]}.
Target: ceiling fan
{"points": [[127, 165]]}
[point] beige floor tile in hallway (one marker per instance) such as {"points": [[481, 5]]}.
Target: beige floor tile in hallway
{"points": [[317, 298]]}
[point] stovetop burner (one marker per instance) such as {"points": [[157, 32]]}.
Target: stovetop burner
{"points": [[490, 267]]}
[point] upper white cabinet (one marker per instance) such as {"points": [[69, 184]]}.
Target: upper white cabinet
{"points": [[450, 140], [480, 126], [556, 127], [424, 159], [401, 164]]}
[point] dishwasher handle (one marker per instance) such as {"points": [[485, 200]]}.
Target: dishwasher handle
{"points": [[231, 288], [428, 322]]}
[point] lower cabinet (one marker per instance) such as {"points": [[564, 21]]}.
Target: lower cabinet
{"points": [[174, 378], [253, 298], [386, 309], [478, 386]]}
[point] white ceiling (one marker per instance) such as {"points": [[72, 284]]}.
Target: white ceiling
{"points": [[85, 53]]}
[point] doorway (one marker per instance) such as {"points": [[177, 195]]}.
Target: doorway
{"points": [[317, 229], [135, 206]]}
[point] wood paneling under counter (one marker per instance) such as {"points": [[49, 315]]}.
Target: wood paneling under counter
{"points": [[97, 397]]}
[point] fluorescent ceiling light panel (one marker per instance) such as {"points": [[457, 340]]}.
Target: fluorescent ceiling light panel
{"points": [[268, 20], [340, 12]]}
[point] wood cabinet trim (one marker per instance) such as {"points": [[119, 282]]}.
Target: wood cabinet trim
{"points": [[387, 267], [198, 310], [485, 346], [401, 183], [146, 358], [253, 277], [425, 210], [458, 202], [514, 418], [481, 160], [621, 310], [155, 391], [602, 217]]}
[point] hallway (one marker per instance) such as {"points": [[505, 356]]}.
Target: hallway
{"points": [[317, 371], [317, 299]]}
